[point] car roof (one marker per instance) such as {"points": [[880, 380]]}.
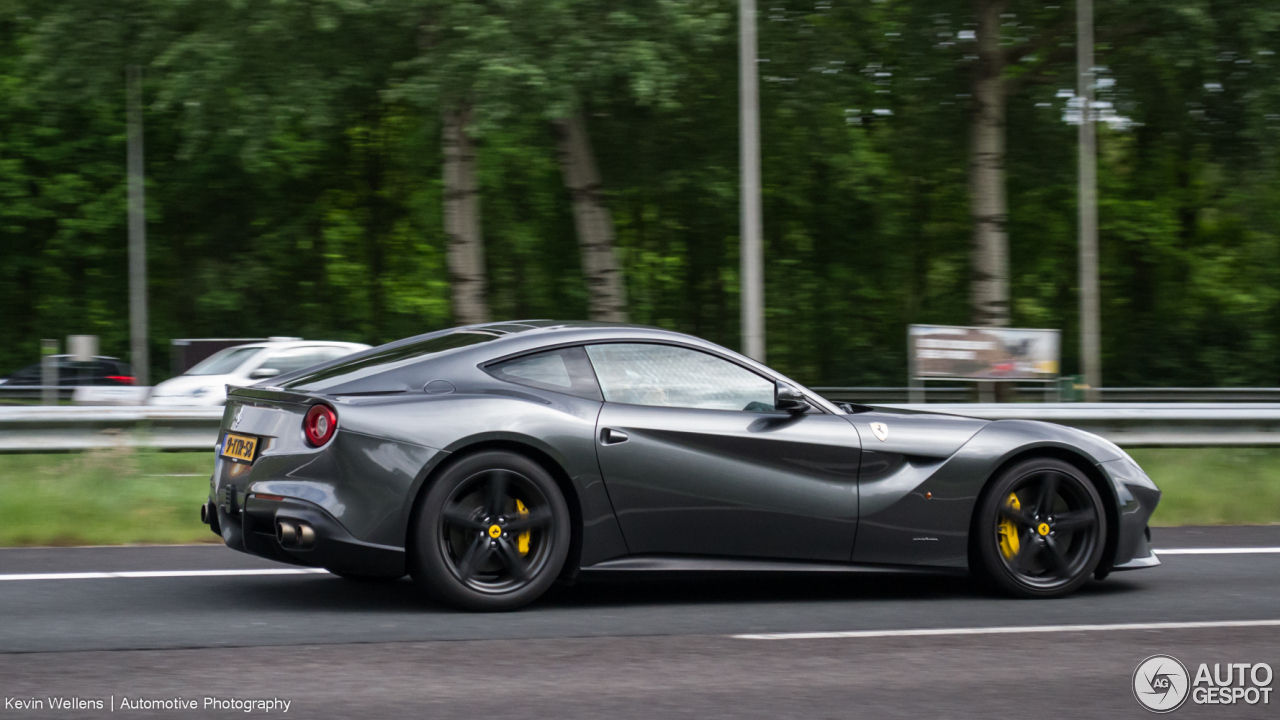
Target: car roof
{"points": [[522, 336], [286, 344], [64, 356], [518, 337], [511, 327]]}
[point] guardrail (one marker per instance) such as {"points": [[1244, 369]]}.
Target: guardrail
{"points": [[932, 393], [1142, 424], [62, 429], [1191, 395], [69, 428], [894, 394], [33, 392]]}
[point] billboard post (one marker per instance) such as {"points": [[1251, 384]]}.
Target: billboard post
{"points": [[915, 386], [48, 372]]}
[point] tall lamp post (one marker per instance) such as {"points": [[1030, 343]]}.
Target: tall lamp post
{"points": [[138, 351], [1090, 342], [749, 114]]}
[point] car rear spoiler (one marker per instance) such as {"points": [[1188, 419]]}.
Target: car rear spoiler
{"points": [[269, 393]]}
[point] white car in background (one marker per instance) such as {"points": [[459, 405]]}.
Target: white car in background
{"points": [[206, 383]]}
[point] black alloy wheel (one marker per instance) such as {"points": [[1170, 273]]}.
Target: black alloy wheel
{"points": [[1040, 530], [491, 534]]}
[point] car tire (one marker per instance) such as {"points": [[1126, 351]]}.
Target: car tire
{"points": [[1039, 530], [491, 534]]}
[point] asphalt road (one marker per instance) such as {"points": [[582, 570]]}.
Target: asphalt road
{"points": [[622, 648]]}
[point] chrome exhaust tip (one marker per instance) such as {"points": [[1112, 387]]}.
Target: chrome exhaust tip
{"points": [[295, 534], [286, 533], [204, 513]]}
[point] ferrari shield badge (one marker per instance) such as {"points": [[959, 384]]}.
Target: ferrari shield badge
{"points": [[881, 430]]}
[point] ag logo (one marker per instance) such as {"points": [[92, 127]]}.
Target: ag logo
{"points": [[881, 430], [1161, 683]]}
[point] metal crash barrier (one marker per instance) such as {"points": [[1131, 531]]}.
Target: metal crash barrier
{"points": [[63, 429]]}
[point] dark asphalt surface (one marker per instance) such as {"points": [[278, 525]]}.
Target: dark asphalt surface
{"points": [[629, 648]]}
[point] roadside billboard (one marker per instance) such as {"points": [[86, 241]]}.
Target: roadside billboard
{"points": [[972, 353]]}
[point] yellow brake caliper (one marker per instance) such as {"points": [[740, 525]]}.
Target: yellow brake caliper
{"points": [[1008, 534], [522, 540]]}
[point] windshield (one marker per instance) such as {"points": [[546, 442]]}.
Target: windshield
{"points": [[225, 362], [362, 367]]}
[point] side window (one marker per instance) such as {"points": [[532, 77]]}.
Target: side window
{"points": [[71, 372], [27, 375], [669, 376], [565, 370]]}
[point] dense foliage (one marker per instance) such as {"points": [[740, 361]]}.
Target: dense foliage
{"points": [[294, 171]]}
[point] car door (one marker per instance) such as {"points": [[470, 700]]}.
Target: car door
{"points": [[696, 460]]}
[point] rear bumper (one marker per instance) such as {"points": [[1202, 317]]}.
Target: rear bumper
{"points": [[248, 523]]}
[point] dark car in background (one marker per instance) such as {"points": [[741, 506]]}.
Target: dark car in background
{"points": [[101, 370]]}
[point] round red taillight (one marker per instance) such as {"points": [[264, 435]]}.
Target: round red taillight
{"points": [[319, 425]]}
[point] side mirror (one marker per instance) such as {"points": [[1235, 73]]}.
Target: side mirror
{"points": [[263, 373], [789, 399]]}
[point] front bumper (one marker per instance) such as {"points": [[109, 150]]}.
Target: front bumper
{"points": [[248, 523], [1137, 498]]}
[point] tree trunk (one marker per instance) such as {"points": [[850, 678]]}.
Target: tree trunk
{"points": [[462, 221], [591, 217], [990, 258]]}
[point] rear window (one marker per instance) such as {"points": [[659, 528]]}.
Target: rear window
{"points": [[565, 370], [383, 360]]}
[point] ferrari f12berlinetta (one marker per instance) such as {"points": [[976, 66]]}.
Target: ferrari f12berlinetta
{"points": [[489, 461]]}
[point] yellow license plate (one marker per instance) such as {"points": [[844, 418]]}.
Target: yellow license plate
{"points": [[239, 447]]}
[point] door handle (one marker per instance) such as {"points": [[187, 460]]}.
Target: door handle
{"points": [[609, 436]]}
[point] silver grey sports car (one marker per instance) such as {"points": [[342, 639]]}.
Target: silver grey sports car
{"points": [[489, 461]]}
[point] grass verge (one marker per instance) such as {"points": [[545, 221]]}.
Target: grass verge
{"points": [[1214, 486], [109, 497], [117, 497]]}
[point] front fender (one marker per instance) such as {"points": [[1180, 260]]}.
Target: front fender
{"points": [[926, 521]]}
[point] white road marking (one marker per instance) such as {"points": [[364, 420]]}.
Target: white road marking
{"points": [[925, 632], [1218, 551], [311, 571], [162, 574]]}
